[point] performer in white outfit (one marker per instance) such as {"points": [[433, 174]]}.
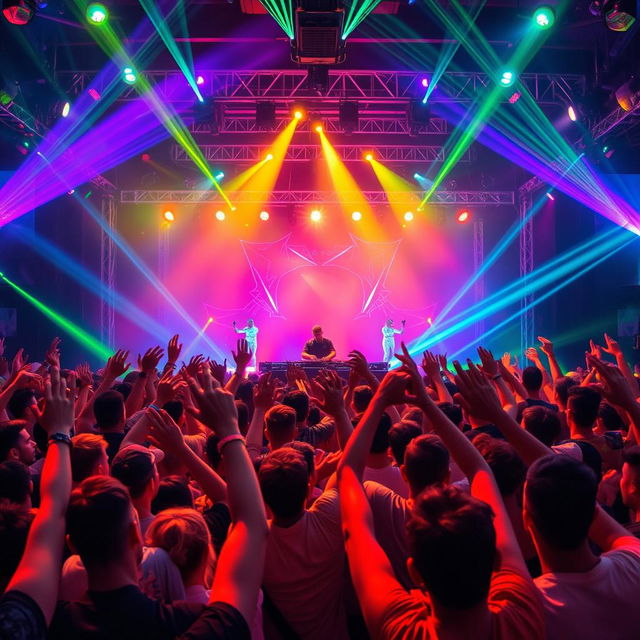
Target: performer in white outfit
{"points": [[389, 340], [251, 336]]}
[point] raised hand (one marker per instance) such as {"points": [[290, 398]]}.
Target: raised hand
{"points": [[242, 355], [195, 365], [19, 361], [612, 346], [595, 350], [615, 387], [358, 363], [52, 356], [430, 365], [478, 394], [85, 377], [442, 360], [117, 365], [58, 413], [174, 348], [215, 407], [332, 401], [168, 387], [149, 361], [164, 430], [26, 380], [506, 362], [532, 354], [546, 346], [489, 363], [264, 392], [218, 371]]}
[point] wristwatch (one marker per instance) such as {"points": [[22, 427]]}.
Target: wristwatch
{"points": [[63, 438]]}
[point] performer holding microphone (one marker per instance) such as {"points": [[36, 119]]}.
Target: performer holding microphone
{"points": [[251, 336], [389, 340]]}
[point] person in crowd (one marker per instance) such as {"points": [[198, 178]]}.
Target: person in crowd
{"points": [[88, 457]]}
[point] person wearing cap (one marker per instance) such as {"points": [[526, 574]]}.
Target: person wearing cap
{"points": [[135, 466]]}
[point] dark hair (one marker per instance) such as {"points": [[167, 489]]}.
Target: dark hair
{"points": [[532, 378], [426, 462], [452, 411], [244, 392], [562, 386], [14, 528], [243, 416], [280, 420], [611, 419], [380, 442], [583, 402], [108, 409], [400, 435], [507, 466], [123, 388], [543, 423], [98, 519], [561, 499], [631, 456], [307, 451], [173, 491], [19, 401], [15, 481], [86, 451], [315, 415], [299, 401], [415, 414], [175, 409], [284, 479], [452, 542], [362, 395], [211, 450], [9, 437]]}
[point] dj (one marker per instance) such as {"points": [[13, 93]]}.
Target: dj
{"points": [[319, 348]]}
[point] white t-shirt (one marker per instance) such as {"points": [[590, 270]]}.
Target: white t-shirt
{"points": [[598, 604], [389, 477], [304, 571]]}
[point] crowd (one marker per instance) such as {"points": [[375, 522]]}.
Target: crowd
{"points": [[179, 500]]}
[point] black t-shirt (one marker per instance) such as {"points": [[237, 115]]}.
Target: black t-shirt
{"points": [[319, 348], [219, 621], [122, 614], [21, 618], [114, 440], [218, 519]]}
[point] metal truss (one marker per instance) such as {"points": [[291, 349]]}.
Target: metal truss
{"points": [[527, 317], [107, 271], [613, 120], [478, 261], [381, 86], [302, 153], [478, 198]]}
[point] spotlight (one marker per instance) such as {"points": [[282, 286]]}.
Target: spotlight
{"points": [[544, 17], [318, 128], [264, 215], [97, 13], [200, 80], [94, 94], [463, 216], [298, 115], [628, 95], [550, 195], [356, 216], [620, 14], [19, 12], [168, 216], [408, 216], [129, 75], [219, 175], [316, 215], [515, 96], [220, 215], [417, 176], [507, 78], [369, 157], [571, 112], [145, 157], [425, 82], [234, 208], [66, 108], [268, 157]]}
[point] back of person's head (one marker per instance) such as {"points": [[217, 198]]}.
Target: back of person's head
{"points": [[19, 402], [173, 491], [211, 451], [630, 480], [532, 378], [452, 546], [380, 442], [244, 392], [15, 482], [362, 395], [609, 418], [562, 386], [9, 438], [135, 467], [315, 416], [299, 401], [543, 423], [582, 406], [506, 465], [14, 528], [280, 423], [108, 409], [99, 519], [184, 535], [88, 456], [307, 451], [560, 500], [426, 462], [175, 409], [243, 416], [400, 435], [415, 414], [284, 481], [452, 411], [123, 388]]}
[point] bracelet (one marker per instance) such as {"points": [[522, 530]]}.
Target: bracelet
{"points": [[153, 405], [61, 438], [496, 377], [227, 439]]}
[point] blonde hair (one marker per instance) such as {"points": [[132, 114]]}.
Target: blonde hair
{"points": [[86, 452], [184, 535]]}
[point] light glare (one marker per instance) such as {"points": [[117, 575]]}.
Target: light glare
{"points": [[356, 216], [168, 216], [316, 215], [220, 215], [264, 215], [408, 216]]}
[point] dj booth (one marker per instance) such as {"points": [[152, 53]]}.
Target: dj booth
{"points": [[313, 367]]}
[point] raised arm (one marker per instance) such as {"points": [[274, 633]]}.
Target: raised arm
{"points": [[333, 405], [612, 347], [547, 385], [174, 348], [431, 367], [242, 358], [38, 573], [239, 570], [263, 398], [546, 346], [146, 367]]}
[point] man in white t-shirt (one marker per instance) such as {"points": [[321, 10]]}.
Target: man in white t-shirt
{"points": [[251, 336]]}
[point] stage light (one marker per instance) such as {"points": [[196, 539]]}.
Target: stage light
{"points": [[620, 15], [268, 157], [628, 95], [463, 216], [515, 96], [369, 157], [318, 128], [145, 157], [264, 215], [425, 82], [66, 108], [544, 17], [220, 215], [356, 216], [234, 208], [129, 75], [298, 115], [219, 175], [507, 78], [316, 215], [97, 13], [94, 94], [408, 216], [430, 320], [550, 195], [571, 112], [168, 216], [200, 80], [19, 12]]}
